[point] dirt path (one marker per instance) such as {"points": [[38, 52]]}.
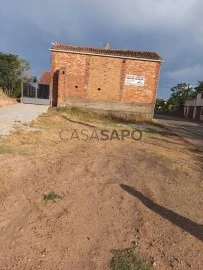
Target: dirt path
{"points": [[115, 195], [17, 115]]}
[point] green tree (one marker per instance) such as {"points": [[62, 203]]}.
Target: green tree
{"points": [[180, 93], [34, 79], [199, 88], [12, 70], [160, 104]]}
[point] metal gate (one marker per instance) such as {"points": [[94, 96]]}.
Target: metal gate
{"points": [[35, 94]]}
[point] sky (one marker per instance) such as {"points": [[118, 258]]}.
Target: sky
{"points": [[172, 28]]}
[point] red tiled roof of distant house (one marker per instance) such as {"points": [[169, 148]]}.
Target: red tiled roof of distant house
{"points": [[45, 78], [143, 55]]}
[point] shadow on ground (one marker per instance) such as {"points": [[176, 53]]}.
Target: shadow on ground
{"points": [[184, 223]]}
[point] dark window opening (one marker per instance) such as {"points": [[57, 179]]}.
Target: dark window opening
{"points": [[99, 89], [76, 86]]}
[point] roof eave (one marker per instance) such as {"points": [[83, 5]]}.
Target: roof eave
{"points": [[107, 55]]}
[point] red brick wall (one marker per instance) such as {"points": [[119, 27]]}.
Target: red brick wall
{"points": [[72, 74], [103, 78], [146, 93]]}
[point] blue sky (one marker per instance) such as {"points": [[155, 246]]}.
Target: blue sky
{"points": [[172, 28]]}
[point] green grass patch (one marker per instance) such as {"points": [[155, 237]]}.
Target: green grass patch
{"points": [[128, 259], [164, 140], [151, 131], [52, 197], [167, 141]]}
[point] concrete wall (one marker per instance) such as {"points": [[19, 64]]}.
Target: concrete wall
{"points": [[190, 102], [199, 100], [135, 111], [194, 107], [99, 78]]}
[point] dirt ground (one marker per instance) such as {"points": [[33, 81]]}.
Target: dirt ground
{"points": [[115, 194]]}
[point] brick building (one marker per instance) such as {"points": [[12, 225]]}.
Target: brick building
{"points": [[117, 81]]}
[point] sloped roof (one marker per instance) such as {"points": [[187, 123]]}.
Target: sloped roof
{"points": [[45, 78], [144, 55]]}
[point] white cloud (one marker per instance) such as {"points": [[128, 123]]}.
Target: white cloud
{"points": [[186, 74]]}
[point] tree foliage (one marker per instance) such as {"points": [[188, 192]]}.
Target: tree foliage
{"points": [[180, 93], [12, 70], [160, 104], [199, 88]]}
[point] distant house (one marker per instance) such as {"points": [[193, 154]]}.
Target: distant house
{"points": [[118, 81], [44, 85], [194, 107], [39, 92]]}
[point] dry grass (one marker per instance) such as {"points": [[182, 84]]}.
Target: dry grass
{"points": [[5, 100], [49, 126], [91, 115]]}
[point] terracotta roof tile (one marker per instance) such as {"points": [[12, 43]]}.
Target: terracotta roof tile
{"points": [[45, 78], [107, 52]]}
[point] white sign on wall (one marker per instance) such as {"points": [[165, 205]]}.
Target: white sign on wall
{"points": [[134, 80]]}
